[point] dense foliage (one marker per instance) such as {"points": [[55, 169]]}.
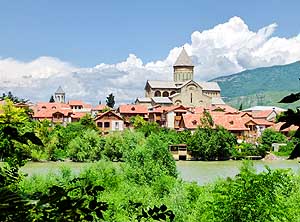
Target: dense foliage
{"points": [[143, 186]]}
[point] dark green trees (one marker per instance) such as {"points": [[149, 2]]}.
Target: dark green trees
{"points": [[51, 100], [110, 100], [292, 117]]}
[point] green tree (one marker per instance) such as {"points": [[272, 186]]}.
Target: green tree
{"points": [[12, 98], [292, 117], [110, 100], [51, 99], [15, 134]]}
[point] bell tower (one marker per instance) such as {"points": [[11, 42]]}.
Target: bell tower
{"points": [[60, 95], [183, 68]]}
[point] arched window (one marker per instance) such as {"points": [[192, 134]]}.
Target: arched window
{"points": [[157, 94], [178, 102], [165, 94]]}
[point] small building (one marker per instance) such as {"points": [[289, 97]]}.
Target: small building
{"points": [[128, 111], [101, 108], [58, 113], [109, 121]]}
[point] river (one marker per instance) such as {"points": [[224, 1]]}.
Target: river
{"points": [[200, 171]]}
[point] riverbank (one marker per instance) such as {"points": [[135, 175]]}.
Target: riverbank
{"points": [[202, 172]]}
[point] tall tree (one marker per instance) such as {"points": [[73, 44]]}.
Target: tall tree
{"points": [[110, 100], [51, 99], [12, 98], [292, 117]]}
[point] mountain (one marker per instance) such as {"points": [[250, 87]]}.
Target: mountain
{"points": [[261, 86]]}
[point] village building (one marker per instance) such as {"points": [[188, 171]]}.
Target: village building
{"points": [[101, 108], [58, 113], [109, 121], [169, 117], [129, 111], [183, 90]]}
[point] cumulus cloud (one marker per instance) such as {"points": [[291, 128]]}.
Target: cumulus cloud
{"points": [[224, 49]]}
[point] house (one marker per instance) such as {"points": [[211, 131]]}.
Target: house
{"points": [[101, 108], [128, 111], [55, 112], [285, 131], [168, 116], [80, 106], [109, 121]]}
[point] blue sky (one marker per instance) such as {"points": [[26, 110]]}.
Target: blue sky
{"points": [[93, 48], [86, 33]]}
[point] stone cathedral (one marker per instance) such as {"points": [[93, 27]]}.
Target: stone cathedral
{"points": [[183, 90]]}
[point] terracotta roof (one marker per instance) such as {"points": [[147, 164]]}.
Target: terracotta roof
{"points": [[277, 126], [101, 115], [263, 122], [136, 109], [78, 115], [231, 122], [191, 121], [99, 107], [262, 114], [46, 110], [226, 108]]}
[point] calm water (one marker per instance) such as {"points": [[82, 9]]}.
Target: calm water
{"points": [[205, 172], [201, 172]]}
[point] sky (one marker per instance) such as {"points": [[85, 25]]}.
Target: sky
{"points": [[93, 48]]}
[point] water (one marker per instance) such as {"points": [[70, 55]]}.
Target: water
{"points": [[200, 171], [206, 172]]}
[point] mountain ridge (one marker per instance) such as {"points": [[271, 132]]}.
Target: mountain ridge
{"points": [[263, 83]]}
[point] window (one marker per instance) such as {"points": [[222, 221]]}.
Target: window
{"points": [[117, 125], [106, 125], [99, 124], [165, 94], [157, 94], [191, 97]]}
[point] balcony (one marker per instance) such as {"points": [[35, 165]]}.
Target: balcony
{"points": [[57, 120], [178, 118]]}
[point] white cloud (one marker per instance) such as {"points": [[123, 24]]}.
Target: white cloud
{"points": [[225, 49]]}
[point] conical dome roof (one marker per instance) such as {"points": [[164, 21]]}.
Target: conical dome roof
{"points": [[183, 59], [59, 90]]}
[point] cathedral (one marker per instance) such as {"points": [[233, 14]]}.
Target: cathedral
{"points": [[183, 90]]}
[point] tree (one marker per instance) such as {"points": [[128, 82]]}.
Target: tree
{"points": [[292, 117], [12, 98], [51, 99], [110, 100], [241, 107]]}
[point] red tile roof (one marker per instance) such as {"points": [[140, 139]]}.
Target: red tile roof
{"points": [[79, 103], [109, 112], [46, 110], [78, 115], [277, 126], [99, 107], [231, 122], [133, 109], [262, 114], [75, 102]]}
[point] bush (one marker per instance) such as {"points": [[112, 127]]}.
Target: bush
{"points": [[85, 147]]}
